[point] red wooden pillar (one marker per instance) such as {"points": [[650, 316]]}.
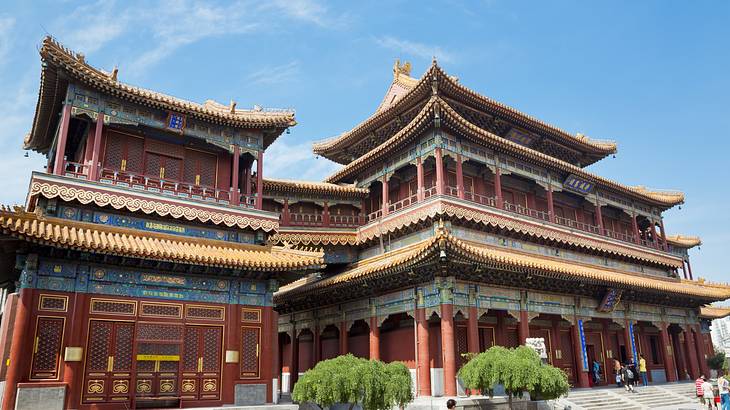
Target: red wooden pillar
{"points": [[420, 194], [582, 373], [260, 181], [550, 204], [235, 193], [664, 235], [448, 350], [96, 151], [524, 327], [88, 149], [472, 340], [679, 356], [275, 365], [501, 331], [18, 367], [599, 218], [689, 339], [424, 355], [73, 371], [343, 338], [459, 177], [247, 181], [285, 215], [439, 172], [385, 195], [293, 360], [635, 228], [326, 214], [316, 348], [266, 351], [700, 346], [59, 161], [667, 356], [374, 339], [230, 370], [498, 188], [689, 268]]}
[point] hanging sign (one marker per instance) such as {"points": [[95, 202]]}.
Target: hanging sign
{"points": [[175, 122], [578, 185], [519, 137], [610, 300], [583, 345]]}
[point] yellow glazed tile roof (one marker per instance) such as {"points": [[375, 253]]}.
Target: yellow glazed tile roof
{"points": [[150, 245], [682, 241], [456, 249], [272, 186], [714, 312]]}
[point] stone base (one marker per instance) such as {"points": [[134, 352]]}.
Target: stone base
{"points": [[250, 394], [40, 398]]}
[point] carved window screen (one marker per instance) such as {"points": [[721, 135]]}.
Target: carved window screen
{"points": [[250, 315], [47, 347], [250, 351]]}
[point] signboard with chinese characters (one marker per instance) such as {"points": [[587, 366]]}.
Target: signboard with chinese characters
{"points": [[520, 137], [175, 122], [578, 185], [610, 300]]}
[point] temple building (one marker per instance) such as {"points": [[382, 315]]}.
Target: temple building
{"points": [[153, 265], [478, 225], [139, 272]]}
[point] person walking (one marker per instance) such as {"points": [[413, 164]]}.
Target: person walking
{"points": [[698, 388], [708, 394], [617, 372], [723, 387], [596, 373], [626, 378], [642, 370]]}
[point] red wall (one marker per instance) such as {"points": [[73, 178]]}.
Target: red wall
{"points": [[398, 345]]}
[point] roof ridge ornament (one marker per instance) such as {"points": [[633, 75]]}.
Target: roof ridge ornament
{"points": [[399, 68]]}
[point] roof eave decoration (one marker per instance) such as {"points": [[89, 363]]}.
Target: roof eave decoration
{"points": [[419, 88], [450, 118], [283, 186], [443, 245], [73, 65], [95, 238], [684, 241], [714, 312]]}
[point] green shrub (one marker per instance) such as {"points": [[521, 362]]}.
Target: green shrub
{"points": [[348, 379]]}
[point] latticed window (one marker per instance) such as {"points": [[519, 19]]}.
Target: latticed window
{"points": [[200, 168], [123, 152], [47, 347], [250, 340]]}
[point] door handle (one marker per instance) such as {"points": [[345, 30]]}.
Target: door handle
{"points": [[200, 364], [110, 363]]}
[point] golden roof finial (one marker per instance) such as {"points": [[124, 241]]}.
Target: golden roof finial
{"points": [[115, 73], [399, 68], [232, 107]]}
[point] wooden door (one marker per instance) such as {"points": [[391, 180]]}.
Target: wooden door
{"points": [[595, 349], [157, 359], [123, 152], [200, 168], [201, 363], [567, 363], [163, 167], [486, 338], [108, 362]]}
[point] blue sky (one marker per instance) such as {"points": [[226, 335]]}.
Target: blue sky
{"points": [[652, 75]]}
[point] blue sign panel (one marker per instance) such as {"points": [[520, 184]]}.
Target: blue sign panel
{"points": [[583, 344], [176, 122], [578, 185], [633, 344], [520, 137]]}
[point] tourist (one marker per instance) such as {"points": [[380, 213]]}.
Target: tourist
{"points": [[708, 394], [642, 370], [617, 371], [627, 377], [723, 387], [451, 404], [596, 372], [698, 388]]}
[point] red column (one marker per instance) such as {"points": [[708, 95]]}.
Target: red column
{"points": [[326, 214], [73, 371], [385, 195], [550, 204], [62, 137], [700, 346], [247, 181], [689, 268], [260, 181], [669, 366], [96, 151], [316, 350], [374, 339], [424, 355], [689, 340], [582, 374], [635, 228], [679, 356], [599, 219], [498, 188], [524, 327], [664, 235], [89, 147], [459, 177], [448, 350], [293, 360], [266, 351], [472, 340], [501, 330], [439, 172], [419, 180], [19, 350], [235, 195], [285, 215], [275, 365], [343, 338], [230, 370], [684, 269]]}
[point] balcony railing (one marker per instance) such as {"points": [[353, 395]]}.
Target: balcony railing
{"points": [[570, 223], [522, 210], [403, 203], [76, 170], [299, 219], [345, 221]]}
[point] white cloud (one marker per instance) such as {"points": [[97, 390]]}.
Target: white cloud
{"points": [[415, 49], [6, 27], [294, 161], [279, 74], [90, 27], [308, 11]]}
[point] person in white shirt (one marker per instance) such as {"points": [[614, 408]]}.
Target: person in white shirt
{"points": [[708, 394], [723, 385]]}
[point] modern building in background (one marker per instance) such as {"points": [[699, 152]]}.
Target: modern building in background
{"points": [[721, 333], [153, 264]]}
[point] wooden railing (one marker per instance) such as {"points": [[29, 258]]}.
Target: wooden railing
{"points": [[76, 170], [522, 210], [299, 219], [345, 221], [403, 203]]}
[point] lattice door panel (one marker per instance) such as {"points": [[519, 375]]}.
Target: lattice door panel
{"points": [[461, 344], [157, 369], [250, 348], [47, 347], [108, 362], [200, 168], [202, 357], [486, 338]]}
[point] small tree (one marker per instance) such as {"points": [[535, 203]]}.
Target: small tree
{"points": [[519, 370], [348, 379], [716, 361]]}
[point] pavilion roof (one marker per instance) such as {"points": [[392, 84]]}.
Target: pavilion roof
{"points": [[285, 186], [61, 65], [437, 107], [405, 91], [104, 239], [683, 241], [444, 245]]}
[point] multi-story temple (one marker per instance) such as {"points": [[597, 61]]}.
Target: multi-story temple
{"points": [[153, 265]]}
